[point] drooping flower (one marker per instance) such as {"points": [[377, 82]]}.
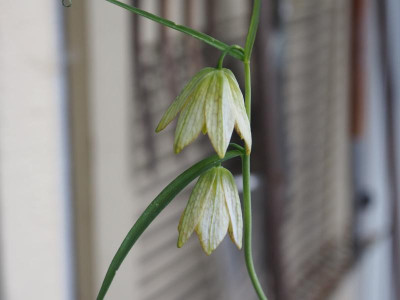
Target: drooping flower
{"points": [[211, 102], [212, 210]]}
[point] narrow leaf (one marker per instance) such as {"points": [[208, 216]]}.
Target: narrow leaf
{"points": [[189, 31]]}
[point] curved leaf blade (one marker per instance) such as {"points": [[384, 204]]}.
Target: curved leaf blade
{"points": [[189, 31]]}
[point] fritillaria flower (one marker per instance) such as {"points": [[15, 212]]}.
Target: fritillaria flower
{"points": [[212, 210], [213, 103]]}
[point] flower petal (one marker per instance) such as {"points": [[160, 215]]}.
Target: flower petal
{"points": [[234, 209], [219, 117], [182, 99], [214, 222], [242, 124], [194, 209], [191, 120]]}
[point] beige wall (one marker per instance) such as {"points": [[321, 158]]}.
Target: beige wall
{"points": [[109, 96], [34, 249]]}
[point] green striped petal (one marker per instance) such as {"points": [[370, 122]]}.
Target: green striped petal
{"points": [[218, 111], [233, 205], [195, 207], [191, 120], [242, 124], [214, 222], [184, 97]]}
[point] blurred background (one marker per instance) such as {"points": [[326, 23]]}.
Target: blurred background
{"points": [[82, 90]]}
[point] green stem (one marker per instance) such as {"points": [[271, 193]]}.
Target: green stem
{"points": [[246, 158], [248, 226], [251, 35], [237, 147], [189, 31], [225, 52], [247, 88]]}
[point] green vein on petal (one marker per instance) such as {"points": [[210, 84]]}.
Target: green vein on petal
{"points": [[191, 120], [214, 222], [182, 99], [194, 209], [219, 118], [242, 124], [233, 205]]}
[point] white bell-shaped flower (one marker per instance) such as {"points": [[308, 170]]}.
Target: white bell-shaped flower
{"points": [[211, 102], [212, 210]]}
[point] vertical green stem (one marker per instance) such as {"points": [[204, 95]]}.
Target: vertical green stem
{"points": [[247, 88], [247, 200], [246, 158]]}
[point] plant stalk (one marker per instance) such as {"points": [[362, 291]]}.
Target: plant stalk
{"points": [[246, 158], [225, 52]]}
